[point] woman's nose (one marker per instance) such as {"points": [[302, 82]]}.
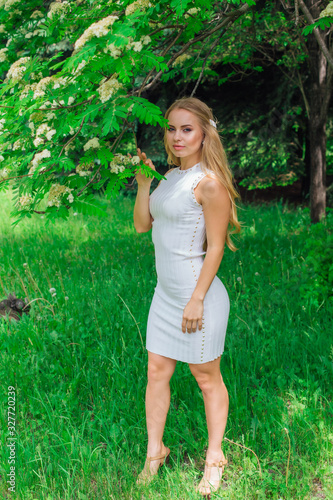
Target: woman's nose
{"points": [[177, 135]]}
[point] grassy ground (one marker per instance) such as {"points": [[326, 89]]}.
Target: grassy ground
{"points": [[78, 363]]}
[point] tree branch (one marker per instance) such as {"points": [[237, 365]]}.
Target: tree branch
{"points": [[72, 138], [26, 175], [210, 50], [319, 38], [66, 107], [165, 51], [232, 17]]}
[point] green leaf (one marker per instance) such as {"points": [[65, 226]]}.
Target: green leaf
{"points": [[105, 156], [114, 185], [179, 6], [90, 206], [112, 118], [323, 23]]}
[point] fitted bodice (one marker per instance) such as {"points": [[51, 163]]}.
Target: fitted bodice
{"points": [[178, 228]]}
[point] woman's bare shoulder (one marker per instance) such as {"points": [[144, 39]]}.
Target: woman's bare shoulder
{"points": [[211, 187]]}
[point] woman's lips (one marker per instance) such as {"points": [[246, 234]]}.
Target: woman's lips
{"points": [[177, 147]]}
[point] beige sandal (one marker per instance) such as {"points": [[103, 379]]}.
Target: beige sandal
{"points": [[207, 485], [146, 474]]}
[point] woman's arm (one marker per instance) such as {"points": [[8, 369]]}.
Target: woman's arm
{"points": [[216, 206], [141, 216]]}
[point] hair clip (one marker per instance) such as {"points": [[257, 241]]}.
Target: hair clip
{"points": [[212, 123]]}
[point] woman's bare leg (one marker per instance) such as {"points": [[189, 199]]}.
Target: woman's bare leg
{"points": [[216, 401], [160, 371]]}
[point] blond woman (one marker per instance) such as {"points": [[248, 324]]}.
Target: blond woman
{"points": [[191, 213]]}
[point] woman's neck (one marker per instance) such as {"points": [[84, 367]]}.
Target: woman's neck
{"points": [[189, 162]]}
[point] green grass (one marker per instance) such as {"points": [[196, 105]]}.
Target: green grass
{"points": [[79, 364]]}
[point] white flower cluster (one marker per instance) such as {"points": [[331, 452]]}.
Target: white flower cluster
{"points": [[2, 28], [26, 90], [3, 55], [4, 174], [10, 3], [114, 51], [117, 164], [1, 158], [49, 116], [83, 170], [17, 69], [120, 161], [56, 192], [135, 160], [328, 11], [2, 125], [137, 46], [180, 59], [92, 143], [36, 76], [36, 14], [58, 8], [138, 4], [18, 145], [39, 32], [80, 66], [37, 159], [25, 201], [96, 29], [63, 45], [41, 86], [191, 12], [43, 130], [108, 88], [59, 82], [31, 125], [69, 147]]}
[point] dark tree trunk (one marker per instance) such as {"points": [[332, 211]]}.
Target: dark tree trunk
{"points": [[320, 78], [306, 179], [318, 166]]}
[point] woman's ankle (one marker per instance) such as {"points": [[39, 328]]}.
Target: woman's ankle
{"points": [[214, 455], [155, 449]]}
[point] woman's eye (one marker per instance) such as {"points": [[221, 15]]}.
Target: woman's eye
{"points": [[187, 129]]}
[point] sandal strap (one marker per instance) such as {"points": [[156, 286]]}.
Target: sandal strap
{"points": [[160, 457], [221, 463]]}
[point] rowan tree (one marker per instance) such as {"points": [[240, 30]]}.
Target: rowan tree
{"points": [[74, 73]]}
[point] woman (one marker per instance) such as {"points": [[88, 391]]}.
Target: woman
{"points": [[189, 213]]}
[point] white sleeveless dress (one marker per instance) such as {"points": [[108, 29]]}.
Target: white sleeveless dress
{"points": [[178, 234]]}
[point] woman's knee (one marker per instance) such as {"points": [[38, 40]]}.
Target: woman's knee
{"points": [[207, 381], [160, 368]]}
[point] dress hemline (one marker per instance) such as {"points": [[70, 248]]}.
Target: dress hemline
{"points": [[185, 361]]}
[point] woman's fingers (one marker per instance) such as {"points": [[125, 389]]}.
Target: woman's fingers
{"points": [[194, 327], [146, 161], [192, 316], [190, 326]]}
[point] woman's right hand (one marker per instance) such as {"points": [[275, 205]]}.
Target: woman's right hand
{"points": [[141, 179]]}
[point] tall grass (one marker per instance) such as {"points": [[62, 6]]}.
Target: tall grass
{"points": [[79, 365]]}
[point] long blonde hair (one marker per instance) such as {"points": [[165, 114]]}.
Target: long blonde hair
{"points": [[213, 156]]}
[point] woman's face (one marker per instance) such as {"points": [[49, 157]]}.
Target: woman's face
{"points": [[185, 136]]}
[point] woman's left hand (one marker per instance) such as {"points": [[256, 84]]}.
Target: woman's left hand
{"points": [[192, 316]]}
